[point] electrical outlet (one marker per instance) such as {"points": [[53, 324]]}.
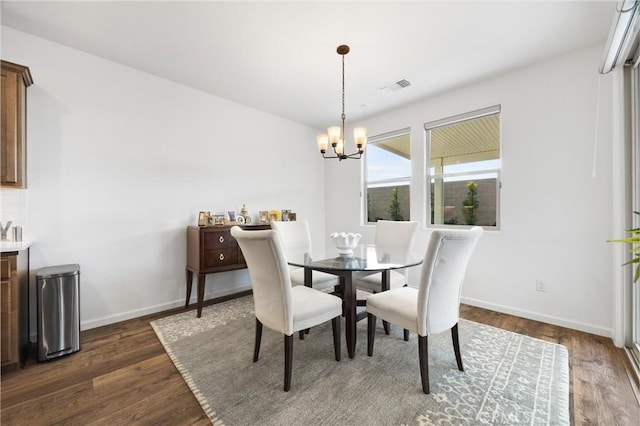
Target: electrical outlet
{"points": [[541, 286]]}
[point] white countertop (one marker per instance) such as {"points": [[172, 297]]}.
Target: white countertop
{"points": [[9, 246]]}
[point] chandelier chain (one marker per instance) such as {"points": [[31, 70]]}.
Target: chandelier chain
{"points": [[343, 116]]}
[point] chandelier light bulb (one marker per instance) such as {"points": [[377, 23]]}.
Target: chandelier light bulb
{"points": [[323, 142], [334, 135], [360, 137]]}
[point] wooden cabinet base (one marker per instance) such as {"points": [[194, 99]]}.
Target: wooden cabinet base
{"points": [[14, 310]]}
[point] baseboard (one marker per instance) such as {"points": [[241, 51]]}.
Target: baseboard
{"points": [[136, 313], [633, 373], [549, 319]]}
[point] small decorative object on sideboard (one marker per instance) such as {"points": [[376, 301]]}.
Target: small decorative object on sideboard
{"points": [[244, 214], [263, 216], [285, 215], [218, 220], [231, 215], [274, 215], [345, 242], [240, 219], [203, 218]]}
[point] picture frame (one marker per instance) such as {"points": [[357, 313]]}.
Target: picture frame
{"points": [[285, 215], [292, 217], [218, 219], [263, 216], [203, 218], [210, 220], [274, 215], [231, 215]]}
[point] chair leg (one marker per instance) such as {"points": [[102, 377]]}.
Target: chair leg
{"points": [[335, 325], [256, 346], [406, 335], [371, 332], [423, 354], [288, 361], [385, 325], [456, 346], [301, 333]]}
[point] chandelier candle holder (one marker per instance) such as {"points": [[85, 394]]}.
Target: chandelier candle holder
{"points": [[335, 134]]}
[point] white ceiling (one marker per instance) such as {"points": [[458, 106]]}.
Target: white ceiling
{"points": [[280, 57]]}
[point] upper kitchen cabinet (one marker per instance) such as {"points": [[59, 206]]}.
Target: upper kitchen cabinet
{"points": [[15, 80]]}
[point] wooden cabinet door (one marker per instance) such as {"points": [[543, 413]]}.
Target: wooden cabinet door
{"points": [[15, 80], [5, 321], [8, 317], [11, 150]]}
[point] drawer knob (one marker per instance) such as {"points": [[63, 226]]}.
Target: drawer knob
{"points": [[221, 255], [221, 239]]}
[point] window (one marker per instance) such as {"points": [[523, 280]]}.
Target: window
{"points": [[387, 176], [464, 168]]}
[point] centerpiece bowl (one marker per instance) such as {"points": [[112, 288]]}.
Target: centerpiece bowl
{"points": [[345, 242]]}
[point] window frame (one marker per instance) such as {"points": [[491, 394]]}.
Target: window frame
{"points": [[428, 176], [365, 182]]}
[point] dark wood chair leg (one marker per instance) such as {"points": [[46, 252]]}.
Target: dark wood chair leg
{"points": [[256, 346], [303, 332], [371, 333], [423, 354], [406, 335], [288, 361], [189, 283], [385, 325], [456, 346], [335, 325]]}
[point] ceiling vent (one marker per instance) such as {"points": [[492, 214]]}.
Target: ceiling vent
{"points": [[394, 87]]}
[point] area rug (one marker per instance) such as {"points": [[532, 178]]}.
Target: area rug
{"points": [[508, 379]]}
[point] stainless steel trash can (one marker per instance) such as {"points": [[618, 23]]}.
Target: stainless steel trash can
{"points": [[58, 294]]}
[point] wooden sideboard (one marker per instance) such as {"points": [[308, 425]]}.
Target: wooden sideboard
{"points": [[212, 249]]}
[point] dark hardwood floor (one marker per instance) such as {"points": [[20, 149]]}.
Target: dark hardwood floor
{"points": [[122, 376]]}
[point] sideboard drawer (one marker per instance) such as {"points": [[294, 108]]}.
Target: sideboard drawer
{"points": [[223, 257], [218, 240]]}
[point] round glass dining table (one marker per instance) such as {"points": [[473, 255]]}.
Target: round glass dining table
{"points": [[366, 259]]}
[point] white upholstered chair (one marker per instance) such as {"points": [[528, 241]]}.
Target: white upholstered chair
{"points": [[434, 306], [279, 305], [394, 237], [296, 241]]}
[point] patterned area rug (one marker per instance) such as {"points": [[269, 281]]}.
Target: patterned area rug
{"points": [[508, 379]]}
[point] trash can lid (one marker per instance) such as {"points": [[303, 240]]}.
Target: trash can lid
{"points": [[58, 271]]}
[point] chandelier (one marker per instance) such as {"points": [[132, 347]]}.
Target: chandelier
{"points": [[335, 135]]}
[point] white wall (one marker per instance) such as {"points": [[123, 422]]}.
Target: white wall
{"points": [[555, 216], [119, 164]]}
